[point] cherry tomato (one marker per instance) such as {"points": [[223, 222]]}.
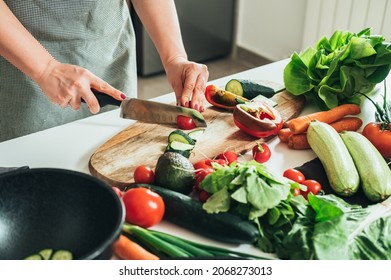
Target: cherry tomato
{"points": [[312, 187], [228, 156], [294, 175], [380, 138], [143, 207], [202, 169], [185, 123], [144, 174], [261, 152], [117, 191]]}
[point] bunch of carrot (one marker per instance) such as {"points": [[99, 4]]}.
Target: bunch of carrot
{"points": [[294, 131], [147, 244]]}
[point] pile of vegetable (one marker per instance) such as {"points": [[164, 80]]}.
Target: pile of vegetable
{"points": [[338, 69], [295, 131]]}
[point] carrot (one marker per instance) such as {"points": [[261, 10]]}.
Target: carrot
{"points": [[300, 124], [299, 141], [283, 134], [126, 249]]}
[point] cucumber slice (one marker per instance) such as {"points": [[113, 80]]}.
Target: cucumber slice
{"points": [[180, 136], [248, 89], [34, 257], [196, 134], [176, 145], [46, 254], [62, 255]]}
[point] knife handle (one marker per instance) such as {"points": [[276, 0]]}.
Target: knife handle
{"points": [[105, 99]]}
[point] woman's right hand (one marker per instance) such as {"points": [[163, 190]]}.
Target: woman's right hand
{"points": [[67, 84]]}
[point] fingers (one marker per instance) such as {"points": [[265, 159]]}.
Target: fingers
{"points": [[193, 90]]}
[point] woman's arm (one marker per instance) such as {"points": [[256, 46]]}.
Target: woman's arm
{"points": [[63, 84], [188, 79]]}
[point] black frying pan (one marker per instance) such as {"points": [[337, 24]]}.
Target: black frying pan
{"points": [[57, 209]]}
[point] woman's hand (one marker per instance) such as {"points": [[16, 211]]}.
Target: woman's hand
{"points": [[67, 84], [188, 79]]}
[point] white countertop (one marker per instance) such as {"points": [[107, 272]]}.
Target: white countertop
{"points": [[70, 146]]}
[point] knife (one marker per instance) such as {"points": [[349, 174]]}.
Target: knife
{"points": [[150, 111]]}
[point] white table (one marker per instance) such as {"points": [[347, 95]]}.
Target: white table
{"points": [[70, 146]]}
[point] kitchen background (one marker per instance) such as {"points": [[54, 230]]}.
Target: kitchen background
{"points": [[231, 36]]}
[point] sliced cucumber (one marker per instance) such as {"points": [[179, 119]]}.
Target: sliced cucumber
{"points": [[34, 257], [196, 134], [248, 89], [180, 136], [62, 255], [180, 148], [46, 254]]}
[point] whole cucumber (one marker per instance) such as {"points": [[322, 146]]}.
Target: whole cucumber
{"points": [[337, 162], [184, 211], [374, 172]]}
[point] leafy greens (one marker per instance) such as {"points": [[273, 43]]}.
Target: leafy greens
{"points": [[324, 227], [338, 68]]}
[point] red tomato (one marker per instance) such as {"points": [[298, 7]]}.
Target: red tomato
{"points": [[228, 156], [261, 152], [117, 191], [312, 186], [202, 169], [144, 174], [380, 138], [143, 207], [294, 175], [185, 122]]}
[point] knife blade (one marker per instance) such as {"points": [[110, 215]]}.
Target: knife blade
{"points": [[150, 111]]}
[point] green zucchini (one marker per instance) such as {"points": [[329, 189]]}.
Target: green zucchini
{"points": [[248, 89], [371, 166], [338, 164], [184, 211], [180, 136]]}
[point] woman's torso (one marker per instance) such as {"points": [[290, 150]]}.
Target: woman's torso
{"points": [[95, 34]]}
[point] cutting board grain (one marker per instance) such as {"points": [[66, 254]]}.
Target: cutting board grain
{"points": [[143, 143]]}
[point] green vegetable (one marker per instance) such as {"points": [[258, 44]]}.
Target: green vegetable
{"points": [[329, 228], [196, 133], [50, 254], [374, 172], [180, 147], [183, 210], [180, 136], [252, 191], [174, 171], [338, 164], [248, 89], [170, 246], [339, 69]]}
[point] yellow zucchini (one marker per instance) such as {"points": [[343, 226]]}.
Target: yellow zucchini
{"points": [[338, 164], [372, 168]]}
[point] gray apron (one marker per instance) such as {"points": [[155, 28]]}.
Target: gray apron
{"points": [[95, 34]]}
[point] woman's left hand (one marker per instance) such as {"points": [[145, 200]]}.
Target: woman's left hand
{"points": [[188, 79]]}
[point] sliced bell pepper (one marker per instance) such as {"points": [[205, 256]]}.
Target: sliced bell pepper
{"points": [[223, 99], [258, 119]]}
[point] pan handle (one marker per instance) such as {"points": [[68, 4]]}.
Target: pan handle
{"points": [[105, 99]]}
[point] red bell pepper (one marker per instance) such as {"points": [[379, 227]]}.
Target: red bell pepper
{"points": [[258, 119], [223, 99]]}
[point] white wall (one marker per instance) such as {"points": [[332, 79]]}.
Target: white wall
{"points": [[276, 28], [271, 28]]}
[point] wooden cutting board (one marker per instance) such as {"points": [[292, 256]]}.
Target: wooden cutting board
{"points": [[143, 143]]}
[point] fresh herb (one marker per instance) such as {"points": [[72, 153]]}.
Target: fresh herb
{"points": [[339, 68]]}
